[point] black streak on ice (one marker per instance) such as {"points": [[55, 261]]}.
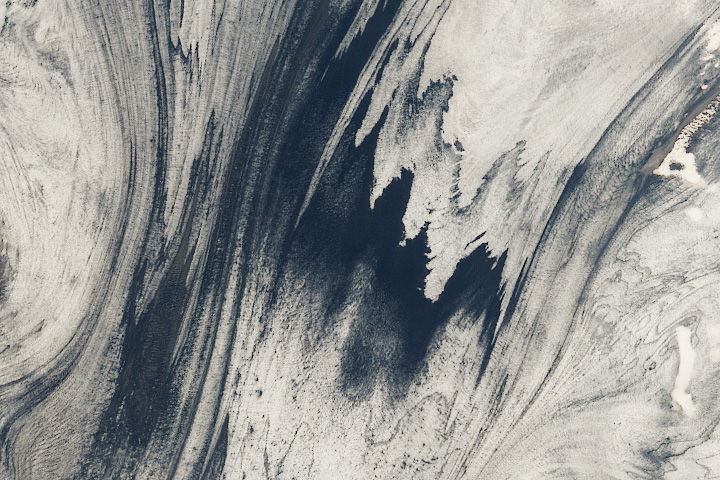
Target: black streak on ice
{"points": [[299, 99]]}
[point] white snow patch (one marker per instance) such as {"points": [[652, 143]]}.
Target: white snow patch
{"points": [[695, 214], [679, 394], [681, 163], [713, 38]]}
